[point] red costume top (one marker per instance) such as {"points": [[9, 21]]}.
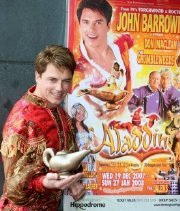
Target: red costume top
{"points": [[31, 128]]}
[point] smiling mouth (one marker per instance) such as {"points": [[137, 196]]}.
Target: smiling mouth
{"points": [[92, 36], [57, 95]]}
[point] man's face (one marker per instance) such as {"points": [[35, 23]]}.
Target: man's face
{"points": [[166, 80], [93, 28], [53, 84], [154, 81]]}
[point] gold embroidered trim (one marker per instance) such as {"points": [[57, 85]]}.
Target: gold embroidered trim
{"points": [[17, 143], [30, 97]]}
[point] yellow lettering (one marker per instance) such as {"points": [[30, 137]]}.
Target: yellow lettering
{"points": [[128, 22], [127, 145], [137, 141], [108, 142], [160, 23], [144, 23], [148, 43]]}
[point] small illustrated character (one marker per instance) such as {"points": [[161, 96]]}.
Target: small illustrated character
{"points": [[136, 121]]}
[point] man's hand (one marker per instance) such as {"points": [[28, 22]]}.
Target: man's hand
{"points": [[77, 190], [52, 181]]}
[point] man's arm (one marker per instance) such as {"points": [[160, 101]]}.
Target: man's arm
{"points": [[26, 176], [134, 101], [20, 170]]}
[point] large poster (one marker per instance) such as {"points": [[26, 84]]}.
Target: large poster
{"points": [[125, 102]]}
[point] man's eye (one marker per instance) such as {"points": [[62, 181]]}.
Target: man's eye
{"points": [[52, 79], [67, 81], [85, 22]]}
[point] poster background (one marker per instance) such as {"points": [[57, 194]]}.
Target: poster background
{"points": [[135, 172]]}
